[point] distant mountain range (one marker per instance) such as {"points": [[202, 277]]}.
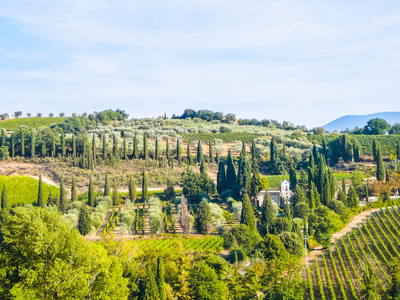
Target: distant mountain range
{"points": [[353, 121]]}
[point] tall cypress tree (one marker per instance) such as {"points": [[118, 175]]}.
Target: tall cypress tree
{"points": [[160, 278], [115, 193], [230, 172], [199, 152], [132, 189], [188, 154], [84, 223], [145, 195], [255, 185], [380, 169], [167, 149], [253, 150], [151, 291], [125, 150], [375, 149], [115, 147], [292, 178], [91, 195], [135, 147], [203, 218], [145, 147], [74, 191], [221, 178], [273, 152], [5, 203], [247, 216], [3, 137], [324, 150], [63, 150], [63, 197], [156, 150], [40, 199], [104, 146], [352, 197], [315, 152], [33, 142], [12, 145], [94, 149], [73, 147], [210, 151], [53, 143], [107, 186], [22, 142], [244, 177], [178, 151], [267, 215]]}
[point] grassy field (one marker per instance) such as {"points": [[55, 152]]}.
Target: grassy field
{"points": [[14, 124], [24, 189]]}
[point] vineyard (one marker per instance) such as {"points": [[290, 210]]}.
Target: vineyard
{"points": [[339, 273], [209, 243], [14, 124], [24, 189]]}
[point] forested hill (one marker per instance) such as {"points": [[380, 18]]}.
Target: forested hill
{"points": [[353, 121]]}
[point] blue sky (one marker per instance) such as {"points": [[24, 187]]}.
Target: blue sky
{"points": [[307, 62]]}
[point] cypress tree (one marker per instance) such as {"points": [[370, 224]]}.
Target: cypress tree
{"points": [[387, 177], [167, 149], [380, 169], [40, 199], [156, 149], [22, 142], [268, 214], [91, 195], [230, 172], [145, 195], [74, 191], [115, 146], [160, 278], [145, 148], [375, 149], [273, 152], [199, 152], [203, 168], [94, 149], [12, 145], [311, 197], [292, 178], [247, 216], [63, 150], [398, 150], [115, 193], [135, 147], [255, 185], [84, 223], [125, 150], [104, 146], [210, 151], [221, 178], [315, 152], [352, 197], [324, 150], [63, 198], [244, 177], [73, 147], [3, 137], [107, 186], [33, 140], [43, 150], [132, 189], [317, 197], [53, 143], [5, 203], [178, 151], [151, 291], [203, 218], [253, 150], [189, 154]]}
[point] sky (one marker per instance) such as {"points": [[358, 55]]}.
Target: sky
{"points": [[307, 62]]}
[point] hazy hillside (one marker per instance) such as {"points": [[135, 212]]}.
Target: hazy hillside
{"points": [[353, 121]]}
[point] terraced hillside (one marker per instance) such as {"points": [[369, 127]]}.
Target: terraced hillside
{"points": [[338, 273]]}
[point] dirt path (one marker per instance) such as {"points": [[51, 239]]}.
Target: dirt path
{"points": [[354, 223]]}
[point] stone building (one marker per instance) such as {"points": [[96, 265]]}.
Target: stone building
{"points": [[280, 197]]}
